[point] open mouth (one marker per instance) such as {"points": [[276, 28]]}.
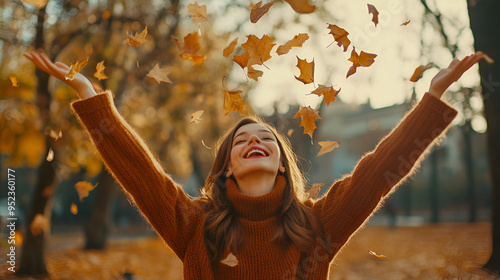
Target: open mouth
{"points": [[255, 153]]}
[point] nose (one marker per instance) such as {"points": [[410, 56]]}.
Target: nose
{"points": [[253, 139]]}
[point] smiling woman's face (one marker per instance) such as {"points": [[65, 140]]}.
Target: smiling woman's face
{"points": [[255, 149]]}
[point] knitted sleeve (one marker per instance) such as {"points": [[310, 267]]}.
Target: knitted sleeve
{"points": [[165, 205], [353, 199]]}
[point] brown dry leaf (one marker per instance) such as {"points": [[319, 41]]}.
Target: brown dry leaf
{"points": [[190, 48], [40, 223], [258, 49], [99, 71], [301, 6], [75, 68], [242, 60], [314, 190], [419, 71], [199, 12], [340, 36], [405, 23], [160, 75], [254, 74], [196, 116], [230, 48], [83, 188], [55, 135], [488, 59], [297, 41], [74, 209], [257, 11], [37, 3], [230, 260], [375, 254], [233, 102], [13, 81], [308, 116], [363, 59], [306, 71], [329, 93], [137, 40], [372, 10], [327, 146], [50, 155]]}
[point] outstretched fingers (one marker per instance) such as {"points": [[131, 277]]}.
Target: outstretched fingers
{"points": [[466, 63]]}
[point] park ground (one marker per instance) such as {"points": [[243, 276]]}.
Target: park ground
{"points": [[441, 251]]}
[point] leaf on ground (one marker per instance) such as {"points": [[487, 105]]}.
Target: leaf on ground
{"points": [[40, 223], [196, 116], [190, 48], [254, 74], [372, 10], [363, 60], [50, 155], [301, 6], [37, 3], [137, 40], [306, 71], [55, 135], [199, 12], [297, 41], [340, 36], [233, 102], [258, 49], [99, 71], [160, 75], [84, 188], [230, 48], [257, 11], [405, 23], [74, 209], [314, 190], [13, 81], [419, 71], [230, 260], [329, 93], [327, 146], [75, 68], [375, 254], [308, 115]]}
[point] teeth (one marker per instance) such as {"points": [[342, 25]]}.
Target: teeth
{"points": [[255, 151]]}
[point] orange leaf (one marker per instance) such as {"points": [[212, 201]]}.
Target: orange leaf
{"points": [[242, 60], [233, 102], [159, 75], [74, 209], [137, 40], [372, 10], [254, 74], [314, 190], [99, 71], [40, 223], [297, 41], [83, 188], [199, 12], [230, 260], [301, 6], [37, 3], [363, 59], [327, 146], [329, 93], [419, 71], [196, 116], [229, 49], [190, 48], [13, 81], [257, 11], [258, 49], [340, 36], [75, 68], [405, 23], [308, 116], [306, 71]]}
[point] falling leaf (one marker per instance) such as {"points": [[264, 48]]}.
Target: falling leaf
{"points": [[229, 49], [48, 191], [419, 71], [306, 71], [327, 146], [137, 40], [75, 68], [37, 3], [329, 93], [405, 23], [314, 190], [50, 155], [289, 132], [202, 142], [375, 254], [233, 102], [301, 6], [340, 36], [254, 74], [488, 59], [190, 48], [363, 59], [372, 10], [137, 63], [230, 260], [99, 71], [297, 41], [308, 116], [258, 49], [196, 116], [13, 81], [74, 209], [199, 12], [83, 188], [159, 75], [40, 223], [55, 135], [257, 11], [242, 60]]}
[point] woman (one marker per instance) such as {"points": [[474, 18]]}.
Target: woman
{"points": [[253, 220]]}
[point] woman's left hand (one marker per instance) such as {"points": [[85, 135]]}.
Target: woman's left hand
{"points": [[447, 76]]}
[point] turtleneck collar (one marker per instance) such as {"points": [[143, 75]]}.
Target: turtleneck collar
{"points": [[256, 208]]}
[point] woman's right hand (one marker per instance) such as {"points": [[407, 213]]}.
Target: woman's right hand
{"points": [[80, 83]]}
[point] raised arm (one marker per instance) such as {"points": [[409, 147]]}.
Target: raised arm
{"points": [[173, 215]]}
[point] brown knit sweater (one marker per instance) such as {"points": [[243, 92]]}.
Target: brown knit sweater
{"points": [[341, 211]]}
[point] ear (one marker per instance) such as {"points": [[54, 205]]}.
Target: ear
{"points": [[282, 167], [229, 172]]}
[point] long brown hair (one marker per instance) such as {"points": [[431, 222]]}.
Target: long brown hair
{"points": [[296, 223]]}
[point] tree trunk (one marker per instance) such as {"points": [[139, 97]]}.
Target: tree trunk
{"points": [[469, 170], [484, 22], [434, 187]]}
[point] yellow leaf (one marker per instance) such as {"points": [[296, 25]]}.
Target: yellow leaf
{"points": [[301, 6], [329, 93], [340, 36], [190, 48], [83, 188], [242, 60], [40, 223], [99, 71], [296, 41], [327, 146], [257, 11], [254, 74], [137, 40], [306, 71], [308, 115], [230, 48], [13, 81], [74, 209], [230, 260], [37, 3], [159, 75], [313, 191], [75, 68], [363, 59], [196, 116], [199, 12], [419, 71], [233, 102], [258, 49]]}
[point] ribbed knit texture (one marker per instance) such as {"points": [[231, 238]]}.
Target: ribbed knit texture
{"points": [[341, 211]]}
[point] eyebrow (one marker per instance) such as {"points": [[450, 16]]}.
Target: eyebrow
{"points": [[260, 130]]}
